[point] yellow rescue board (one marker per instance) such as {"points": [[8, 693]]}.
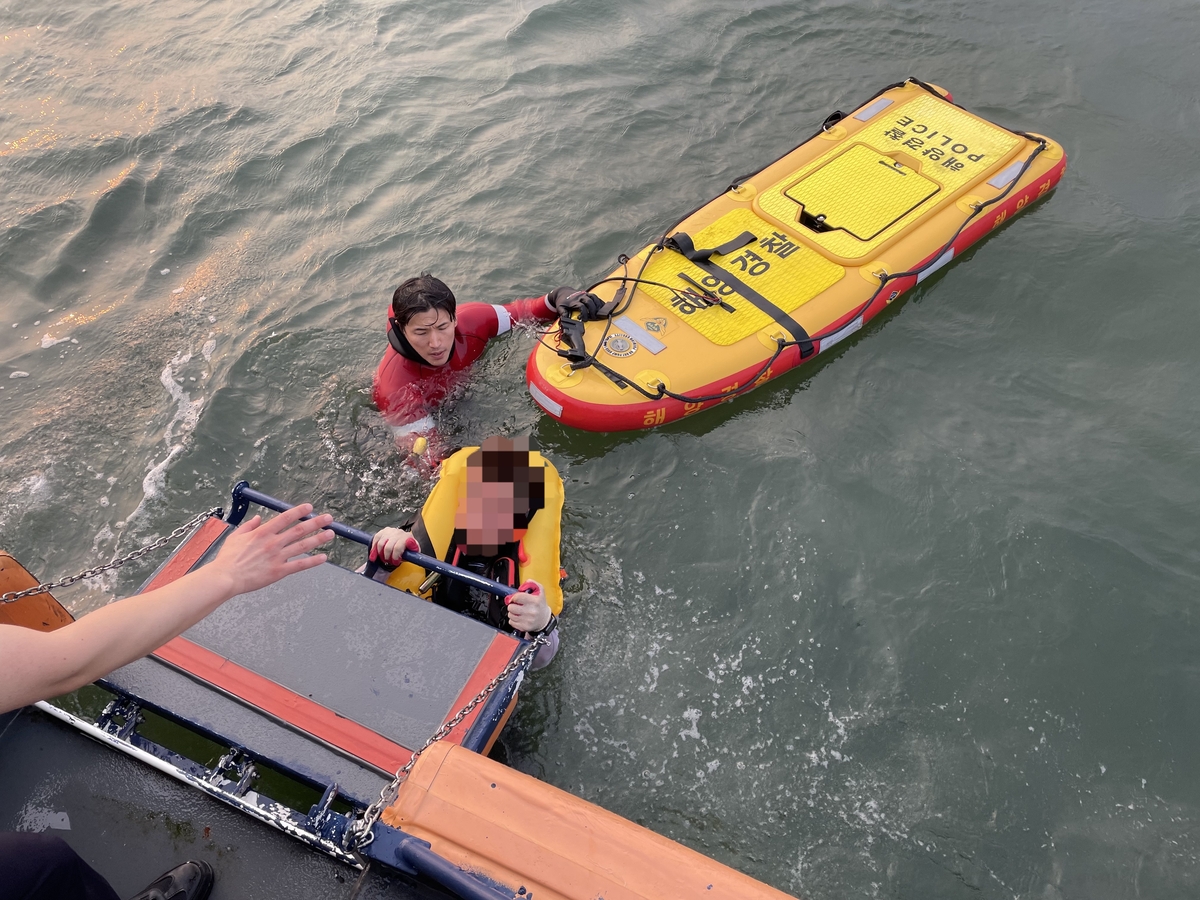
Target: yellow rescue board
{"points": [[792, 260]]}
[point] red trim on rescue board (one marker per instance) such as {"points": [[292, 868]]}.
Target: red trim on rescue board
{"points": [[652, 413]]}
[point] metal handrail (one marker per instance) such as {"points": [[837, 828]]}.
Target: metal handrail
{"points": [[243, 495]]}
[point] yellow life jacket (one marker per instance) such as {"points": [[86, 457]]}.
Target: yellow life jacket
{"points": [[435, 528]]}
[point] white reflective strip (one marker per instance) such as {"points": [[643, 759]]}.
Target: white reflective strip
{"points": [[640, 334], [1000, 179], [252, 803], [868, 111], [555, 409], [425, 424], [936, 264], [841, 334], [503, 319]]}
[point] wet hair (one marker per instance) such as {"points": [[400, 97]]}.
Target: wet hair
{"points": [[506, 460], [421, 294]]}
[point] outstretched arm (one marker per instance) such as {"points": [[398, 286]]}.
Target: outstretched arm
{"points": [[537, 309], [40, 664]]}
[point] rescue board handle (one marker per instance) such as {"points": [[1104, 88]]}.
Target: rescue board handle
{"points": [[243, 495]]}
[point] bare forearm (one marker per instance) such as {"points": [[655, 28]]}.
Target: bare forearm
{"points": [[129, 629], [35, 665], [47, 664]]}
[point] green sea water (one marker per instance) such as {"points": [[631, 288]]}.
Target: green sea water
{"points": [[917, 620]]}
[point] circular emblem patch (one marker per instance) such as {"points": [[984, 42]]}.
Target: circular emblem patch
{"points": [[620, 345]]}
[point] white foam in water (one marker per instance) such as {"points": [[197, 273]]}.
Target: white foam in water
{"points": [[182, 424], [104, 534], [651, 678], [48, 342], [36, 486], [31, 492], [19, 375], [187, 410]]}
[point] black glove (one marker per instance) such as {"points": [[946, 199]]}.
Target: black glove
{"points": [[567, 300], [559, 294]]}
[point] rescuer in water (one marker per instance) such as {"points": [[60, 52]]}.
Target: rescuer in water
{"points": [[432, 345]]}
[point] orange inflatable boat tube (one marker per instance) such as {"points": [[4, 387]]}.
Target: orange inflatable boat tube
{"points": [[487, 818], [41, 612]]}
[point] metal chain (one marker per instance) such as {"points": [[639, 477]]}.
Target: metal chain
{"points": [[179, 532], [360, 834]]}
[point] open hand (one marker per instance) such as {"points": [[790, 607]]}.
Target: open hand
{"points": [[259, 553]]}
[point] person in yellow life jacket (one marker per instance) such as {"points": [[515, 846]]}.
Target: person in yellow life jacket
{"points": [[495, 511]]}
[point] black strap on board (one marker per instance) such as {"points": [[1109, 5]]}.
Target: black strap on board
{"points": [[682, 243]]}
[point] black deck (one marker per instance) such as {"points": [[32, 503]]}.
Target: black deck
{"points": [[130, 822]]}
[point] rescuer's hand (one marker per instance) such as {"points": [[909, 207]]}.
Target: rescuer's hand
{"points": [[567, 300], [259, 553]]}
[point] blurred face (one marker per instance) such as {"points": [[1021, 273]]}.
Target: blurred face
{"points": [[431, 334], [486, 514]]}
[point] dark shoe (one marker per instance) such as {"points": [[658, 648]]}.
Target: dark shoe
{"points": [[191, 881]]}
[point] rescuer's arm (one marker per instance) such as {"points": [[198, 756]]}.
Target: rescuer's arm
{"points": [[537, 309], [38, 664], [400, 393]]}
